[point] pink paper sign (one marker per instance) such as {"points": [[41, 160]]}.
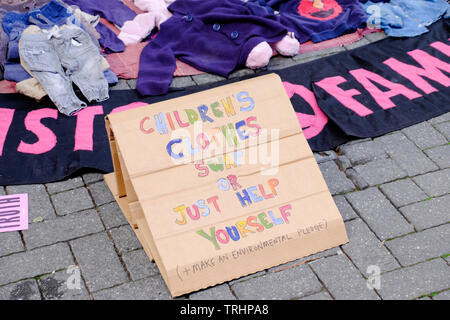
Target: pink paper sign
{"points": [[14, 212]]}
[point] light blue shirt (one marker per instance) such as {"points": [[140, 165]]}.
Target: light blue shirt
{"points": [[406, 18]]}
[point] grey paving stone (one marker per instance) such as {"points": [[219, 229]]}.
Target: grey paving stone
{"points": [[241, 73], [92, 177], [59, 286], [364, 249], [299, 281], [304, 260], [439, 119], [428, 213], [442, 296], [139, 265], [444, 129], [435, 184], [343, 162], [357, 44], [361, 153], [206, 78], [22, 290], [324, 156], [35, 262], [447, 258], [125, 239], [375, 36], [323, 295], [280, 62], [403, 192], [11, 242], [65, 185], [62, 229], [121, 85], [380, 171], [314, 55], [220, 292], [406, 154], [182, 82], [344, 207], [2, 191], [440, 155], [424, 135], [415, 281], [98, 261], [336, 180], [132, 83], [72, 201], [420, 246], [357, 179], [39, 205], [379, 213], [342, 279], [152, 288], [111, 215], [100, 192], [250, 276]]}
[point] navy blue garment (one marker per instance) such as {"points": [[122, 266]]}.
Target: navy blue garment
{"points": [[114, 11], [214, 36], [52, 13], [309, 23], [12, 53], [15, 72]]}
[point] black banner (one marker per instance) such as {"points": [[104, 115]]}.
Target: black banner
{"points": [[365, 92]]}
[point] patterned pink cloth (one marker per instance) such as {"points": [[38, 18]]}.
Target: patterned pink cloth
{"points": [[336, 42], [7, 86]]}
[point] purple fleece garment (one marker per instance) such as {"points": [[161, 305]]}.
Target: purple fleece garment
{"points": [[114, 11], [214, 36], [109, 40]]}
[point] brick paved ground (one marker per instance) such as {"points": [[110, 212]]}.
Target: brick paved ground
{"points": [[393, 192]]}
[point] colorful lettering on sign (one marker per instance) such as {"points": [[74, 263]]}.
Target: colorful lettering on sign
{"points": [[257, 193], [201, 208], [202, 141], [225, 107], [243, 228]]}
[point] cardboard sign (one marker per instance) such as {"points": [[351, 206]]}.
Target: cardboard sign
{"points": [[14, 212], [221, 184]]}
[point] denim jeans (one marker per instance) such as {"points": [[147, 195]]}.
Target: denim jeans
{"points": [[62, 57], [82, 62]]}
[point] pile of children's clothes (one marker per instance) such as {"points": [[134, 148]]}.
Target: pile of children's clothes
{"points": [[51, 47]]}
